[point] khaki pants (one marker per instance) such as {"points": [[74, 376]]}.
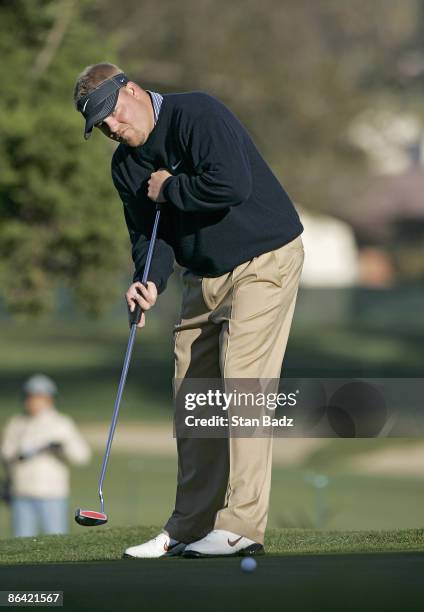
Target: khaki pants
{"points": [[232, 326]]}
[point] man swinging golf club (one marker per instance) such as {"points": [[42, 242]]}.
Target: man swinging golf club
{"points": [[228, 221]]}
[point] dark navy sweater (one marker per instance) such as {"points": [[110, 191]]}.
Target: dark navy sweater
{"points": [[224, 204]]}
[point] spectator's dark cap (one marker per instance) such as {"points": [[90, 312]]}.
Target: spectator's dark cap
{"points": [[100, 103]]}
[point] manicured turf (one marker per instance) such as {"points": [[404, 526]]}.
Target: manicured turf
{"points": [[305, 569], [105, 543], [85, 358], [140, 490], [330, 583], [283, 580]]}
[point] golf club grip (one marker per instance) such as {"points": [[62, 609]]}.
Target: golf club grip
{"points": [[135, 319], [135, 315]]}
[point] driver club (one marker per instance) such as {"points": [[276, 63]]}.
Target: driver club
{"points": [[91, 518]]}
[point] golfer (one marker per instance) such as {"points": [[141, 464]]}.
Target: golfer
{"points": [[228, 221]]}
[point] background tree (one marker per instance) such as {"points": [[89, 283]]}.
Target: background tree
{"points": [[296, 73], [60, 219]]}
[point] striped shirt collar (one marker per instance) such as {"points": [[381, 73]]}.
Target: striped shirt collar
{"points": [[157, 100]]}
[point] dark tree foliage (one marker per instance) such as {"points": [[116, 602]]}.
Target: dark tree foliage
{"points": [[60, 220]]}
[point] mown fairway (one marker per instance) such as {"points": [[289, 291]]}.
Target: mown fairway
{"points": [[313, 583], [106, 543], [332, 568], [85, 358], [291, 577], [140, 489]]}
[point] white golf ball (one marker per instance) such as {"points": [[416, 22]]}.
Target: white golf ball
{"points": [[248, 564]]}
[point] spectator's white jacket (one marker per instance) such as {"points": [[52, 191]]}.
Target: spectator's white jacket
{"points": [[44, 473]]}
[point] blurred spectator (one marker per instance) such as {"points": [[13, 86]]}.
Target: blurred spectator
{"points": [[37, 447]]}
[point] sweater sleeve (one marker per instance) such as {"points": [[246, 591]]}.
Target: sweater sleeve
{"points": [[139, 217], [222, 176], [162, 264]]}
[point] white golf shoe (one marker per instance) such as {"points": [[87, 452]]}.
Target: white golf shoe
{"points": [[220, 542], [160, 546]]}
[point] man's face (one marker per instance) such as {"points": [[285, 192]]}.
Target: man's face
{"points": [[131, 120]]}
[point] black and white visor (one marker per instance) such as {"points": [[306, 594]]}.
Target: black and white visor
{"points": [[101, 102]]}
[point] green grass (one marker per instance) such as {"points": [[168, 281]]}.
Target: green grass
{"points": [[85, 358], [105, 543], [350, 501], [140, 490]]}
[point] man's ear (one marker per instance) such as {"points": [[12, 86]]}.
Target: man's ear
{"points": [[132, 88]]}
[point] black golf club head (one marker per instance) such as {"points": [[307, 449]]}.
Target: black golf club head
{"points": [[90, 518]]}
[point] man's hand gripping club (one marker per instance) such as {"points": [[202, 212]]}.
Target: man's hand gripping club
{"points": [[144, 296]]}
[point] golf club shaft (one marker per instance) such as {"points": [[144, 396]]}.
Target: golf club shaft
{"points": [[134, 321]]}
